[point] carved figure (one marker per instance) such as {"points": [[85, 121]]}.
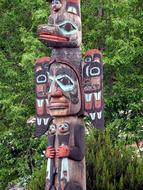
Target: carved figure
{"points": [[65, 151], [65, 91], [56, 5], [41, 86], [64, 25], [93, 87]]}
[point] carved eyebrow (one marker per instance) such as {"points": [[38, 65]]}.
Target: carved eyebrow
{"points": [[66, 71], [61, 76], [64, 17]]}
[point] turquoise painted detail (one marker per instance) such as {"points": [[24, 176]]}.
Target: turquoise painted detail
{"points": [[68, 28], [64, 81]]}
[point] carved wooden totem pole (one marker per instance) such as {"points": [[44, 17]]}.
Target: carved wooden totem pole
{"points": [[65, 90]]}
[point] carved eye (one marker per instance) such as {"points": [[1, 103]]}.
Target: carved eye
{"points": [[56, 2], [67, 28], [64, 127], [88, 59], [52, 129], [66, 81]]}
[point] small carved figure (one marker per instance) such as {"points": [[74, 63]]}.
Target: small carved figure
{"points": [[65, 150], [56, 5]]}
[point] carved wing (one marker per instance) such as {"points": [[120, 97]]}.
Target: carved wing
{"points": [[93, 87], [43, 118]]}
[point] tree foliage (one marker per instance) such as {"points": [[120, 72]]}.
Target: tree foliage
{"points": [[109, 167], [19, 48], [115, 27]]}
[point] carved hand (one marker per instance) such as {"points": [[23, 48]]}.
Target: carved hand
{"points": [[62, 151], [50, 152]]}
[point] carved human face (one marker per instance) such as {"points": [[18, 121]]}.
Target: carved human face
{"points": [[64, 91], [56, 5], [64, 25]]}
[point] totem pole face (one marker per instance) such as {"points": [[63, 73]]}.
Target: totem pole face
{"points": [[92, 71], [64, 25], [41, 86], [93, 87], [56, 5], [64, 92]]}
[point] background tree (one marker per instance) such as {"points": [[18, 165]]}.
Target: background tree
{"points": [[116, 28], [19, 48]]}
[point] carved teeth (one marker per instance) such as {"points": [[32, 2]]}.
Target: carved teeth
{"points": [[92, 115], [88, 97], [97, 95], [42, 120], [40, 103], [47, 102], [88, 101], [46, 120], [39, 121], [99, 115]]}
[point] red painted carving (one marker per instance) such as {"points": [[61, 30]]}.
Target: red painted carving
{"points": [[65, 90]]}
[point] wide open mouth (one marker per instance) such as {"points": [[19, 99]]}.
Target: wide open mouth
{"points": [[51, 37]]}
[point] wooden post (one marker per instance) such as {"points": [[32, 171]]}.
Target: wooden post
{"points": [[63, 97], [65, 91]]}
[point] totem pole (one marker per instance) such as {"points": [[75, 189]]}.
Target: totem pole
{"points": [[65, 90]]}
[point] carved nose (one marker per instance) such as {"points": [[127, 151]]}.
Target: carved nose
{"points": [[54, 6], [56, 92]]}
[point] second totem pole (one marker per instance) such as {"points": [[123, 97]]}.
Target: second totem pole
{"points": [[66, 90]]}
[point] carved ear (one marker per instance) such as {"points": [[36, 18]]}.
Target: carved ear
{"points": [[43, 118], [93, 87]]}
